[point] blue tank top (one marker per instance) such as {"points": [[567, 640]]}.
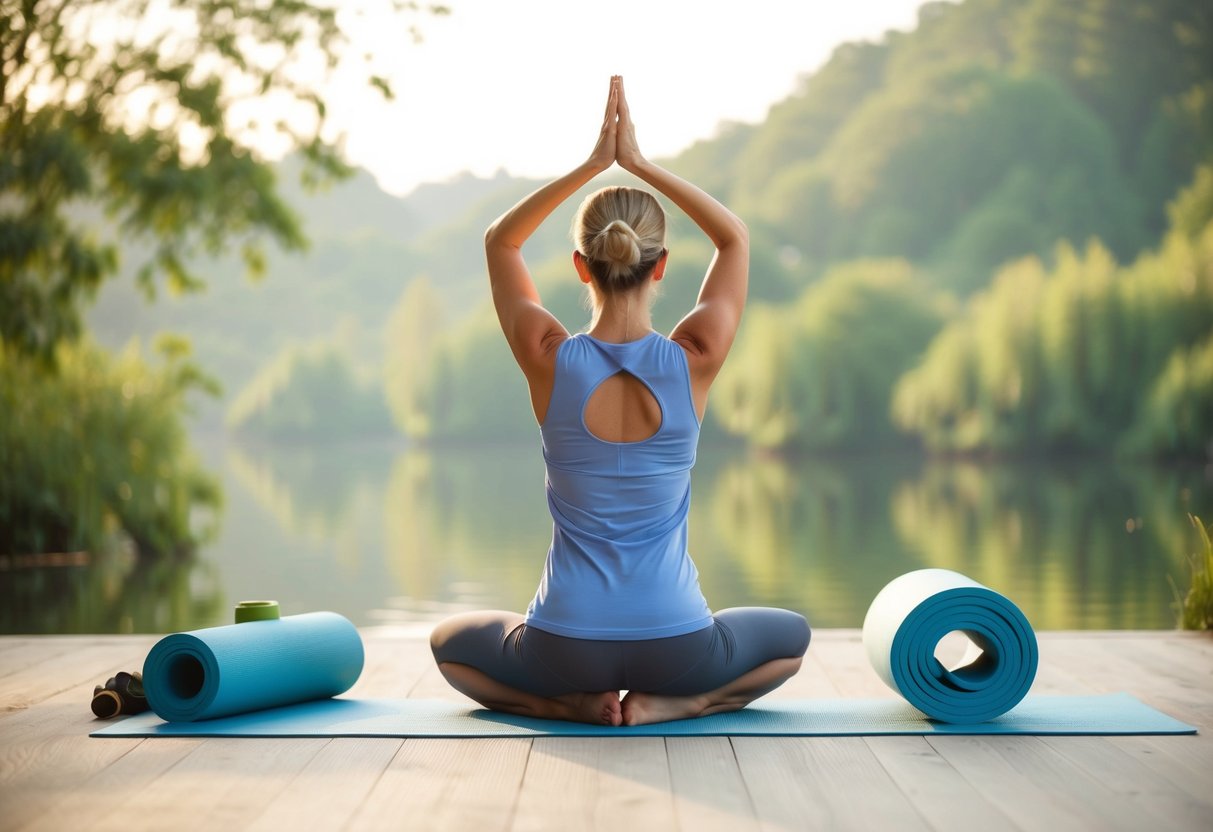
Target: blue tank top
{"points": [[618, 567]]}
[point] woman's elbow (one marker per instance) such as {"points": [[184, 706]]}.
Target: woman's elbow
{"points": [[738, 235], [490, 234], [496, 237]]}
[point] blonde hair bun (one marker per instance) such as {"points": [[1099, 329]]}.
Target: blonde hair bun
{"points": [[618, 245]]}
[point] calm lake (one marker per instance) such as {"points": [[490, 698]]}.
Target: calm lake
{"points": [[395, 536]]}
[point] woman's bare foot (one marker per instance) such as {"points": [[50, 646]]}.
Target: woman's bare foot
{"points": [[643, 708], [646, 708], [595, 708]]}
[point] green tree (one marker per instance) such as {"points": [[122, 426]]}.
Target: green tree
{"points": [[1177, 418], [144, 113], [1088, 356], [818, 375], [802, 125], [309, 392], [412, 336], [96, 457], [1085, 43], [1142, 66], [476, 390]]}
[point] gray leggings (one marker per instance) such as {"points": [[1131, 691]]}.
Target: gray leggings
{"points": [[504, 648]]}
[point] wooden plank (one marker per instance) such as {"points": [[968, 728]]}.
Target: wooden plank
{"points": [[821, 783], [393, 667], [610, 783], [1035, 786], [709, 791], [19, 654], [1055, 673], [71, 641], [71, 803], [846, 664], [45, 751], [431, 684], [219, 785], [562, 782], [938, 792], [82, 667], [39, 773], [434, 784], [1133, 783], [1181, 690], [811, 682], [1184, 678], [1184, 762], [331, 788]]}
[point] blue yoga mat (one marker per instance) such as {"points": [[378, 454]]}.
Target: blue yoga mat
{"points": [[910, 616], [1041, 715], [275, 678], [220, 671]]}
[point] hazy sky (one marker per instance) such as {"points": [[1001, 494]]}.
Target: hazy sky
{"points": [[520, 84]]}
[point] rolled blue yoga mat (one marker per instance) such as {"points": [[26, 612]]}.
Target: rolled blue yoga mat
{"points": [[910, 616], [222, 671]]}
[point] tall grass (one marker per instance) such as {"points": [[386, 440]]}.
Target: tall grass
{"points": [[1196, 608]]}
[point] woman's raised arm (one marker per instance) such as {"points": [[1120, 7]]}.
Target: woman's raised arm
{"points": [[707, 332], [531, 331]]}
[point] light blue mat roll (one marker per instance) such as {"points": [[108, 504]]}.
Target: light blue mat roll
{"points": [[221, 671], [910, 616]]}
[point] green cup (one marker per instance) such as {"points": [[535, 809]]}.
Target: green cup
{"points": [[257, 611]]}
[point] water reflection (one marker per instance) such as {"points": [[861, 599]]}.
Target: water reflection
{"points": [[392, 535], [1077, 546], [809, 534], [110, 591], [467, 528]]}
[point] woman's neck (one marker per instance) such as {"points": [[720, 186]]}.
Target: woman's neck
{"points": [[622, 318]]}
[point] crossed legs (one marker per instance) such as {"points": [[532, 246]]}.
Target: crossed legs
{"points": [[493, 658], [606, 708]]}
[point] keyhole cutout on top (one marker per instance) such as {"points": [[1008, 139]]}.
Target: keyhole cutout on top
{"points": [[622, 409]]}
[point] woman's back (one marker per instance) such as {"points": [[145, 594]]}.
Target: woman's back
{"points": [[618, 566]]}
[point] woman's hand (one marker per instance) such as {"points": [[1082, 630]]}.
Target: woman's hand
{"points": [[603, 155], [627, 151]]}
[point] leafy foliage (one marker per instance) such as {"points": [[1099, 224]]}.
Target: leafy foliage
{"points": [[144, 112], [818, 374], [96, 456], [1088, 356]]}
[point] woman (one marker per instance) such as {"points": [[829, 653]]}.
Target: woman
{"points": [[619, 605]]}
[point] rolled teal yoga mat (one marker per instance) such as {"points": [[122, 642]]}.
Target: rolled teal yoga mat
{"points": [[910, 616], [221, 671], [1037, 715]]}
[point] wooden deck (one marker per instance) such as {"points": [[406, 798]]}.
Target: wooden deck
{"points": [[53, 777]]}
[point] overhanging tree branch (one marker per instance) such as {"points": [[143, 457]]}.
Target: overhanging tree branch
{"points": [[124, 109]]}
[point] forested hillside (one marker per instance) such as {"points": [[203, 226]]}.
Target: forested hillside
{"points": [[961, 238]]}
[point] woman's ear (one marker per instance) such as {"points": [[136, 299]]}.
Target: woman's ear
{"points": [[659, 268], [583, 268]]}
